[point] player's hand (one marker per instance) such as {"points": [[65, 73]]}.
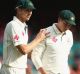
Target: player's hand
{"points": [[42, 71], [42, 35]]}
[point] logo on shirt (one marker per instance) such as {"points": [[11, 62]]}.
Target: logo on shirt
{"points": [[16, 37], [54, 39], [23, 33]]}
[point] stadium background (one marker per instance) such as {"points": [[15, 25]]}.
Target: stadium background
{"points": [[45, 14]]}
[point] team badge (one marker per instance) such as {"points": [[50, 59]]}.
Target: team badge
{"points": [[16, 37], [54, 39]]}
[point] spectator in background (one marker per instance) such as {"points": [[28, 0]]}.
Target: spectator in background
{"points": [[74, 58]]}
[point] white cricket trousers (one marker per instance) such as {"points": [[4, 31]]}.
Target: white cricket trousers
{"points": [[10, 70]]}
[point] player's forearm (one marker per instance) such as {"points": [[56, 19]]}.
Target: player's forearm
{"points": [[25, 49], [40, 37], [42, 71], [31, 45]]}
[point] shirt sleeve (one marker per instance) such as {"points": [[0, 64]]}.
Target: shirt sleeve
{"points": [[16, 34], [37, 55], [69, 41]]}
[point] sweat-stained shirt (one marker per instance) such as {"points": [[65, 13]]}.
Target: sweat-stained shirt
{"points": [[14, 35], [52, 53]]}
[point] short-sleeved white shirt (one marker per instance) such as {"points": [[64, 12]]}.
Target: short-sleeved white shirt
{"points": [[14, 35], [52, 53]]}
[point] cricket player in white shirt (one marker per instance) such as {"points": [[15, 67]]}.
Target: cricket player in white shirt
{"points": [[15, 47], [51, 55]]}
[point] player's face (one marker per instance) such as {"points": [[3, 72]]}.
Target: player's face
{"points": [[63, 26], [66, 25], [24, 14]]}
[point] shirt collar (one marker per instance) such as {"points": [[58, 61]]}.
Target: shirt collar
{"points": [[56, 29], [19, 22]]}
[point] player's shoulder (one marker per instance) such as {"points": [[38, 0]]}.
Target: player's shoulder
{"points": [[12, 23], [68, 32], [49, 27]]}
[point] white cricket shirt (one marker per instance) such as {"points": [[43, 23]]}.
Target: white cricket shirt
{"points": [[14, 35], [52, 53]]}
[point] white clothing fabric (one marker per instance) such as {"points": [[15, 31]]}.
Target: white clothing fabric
{"points": [[52, 53], [10, 70], [14, 35]]}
